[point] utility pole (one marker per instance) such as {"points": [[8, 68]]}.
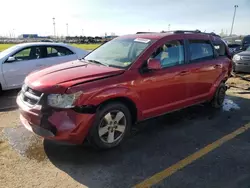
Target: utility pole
{"points": [[67, 29], [82, 32], [235, 7], [168, 27], [54, 24]]}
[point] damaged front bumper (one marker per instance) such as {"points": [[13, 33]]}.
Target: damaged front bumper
{"points": [[56, 124]]}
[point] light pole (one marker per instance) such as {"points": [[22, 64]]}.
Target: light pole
{"points": [[67, 29], [82, 32], [168, 27], [235, 7], [54, 24]]}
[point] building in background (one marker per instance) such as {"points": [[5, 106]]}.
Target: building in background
{"points": [[32, 36]]}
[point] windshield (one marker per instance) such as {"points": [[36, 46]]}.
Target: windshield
{"points": [[248, 49], [119, 52], [7, 51]]}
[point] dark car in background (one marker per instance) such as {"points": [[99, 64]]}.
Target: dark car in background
{"points": [[234, 48], [245, 42], [241, 61]]}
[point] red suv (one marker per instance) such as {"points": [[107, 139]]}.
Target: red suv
{"points": [[124, 81]]}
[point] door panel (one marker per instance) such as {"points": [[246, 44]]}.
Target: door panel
{"points": [[203, 75], [165, 89], [15, 72], [27, 60], [205, 68]]}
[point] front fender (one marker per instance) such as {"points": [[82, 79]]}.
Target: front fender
{"points": [[112, 93]]}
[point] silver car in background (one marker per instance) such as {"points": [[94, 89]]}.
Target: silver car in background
{"points": [[241, 61]]}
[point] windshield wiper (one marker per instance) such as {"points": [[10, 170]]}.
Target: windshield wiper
{"points": [[97, 62]]}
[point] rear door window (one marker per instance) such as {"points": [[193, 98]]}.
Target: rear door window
{"points": [[200, 50], [55, 51]]}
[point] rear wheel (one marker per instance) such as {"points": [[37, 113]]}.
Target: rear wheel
{"points": [[1, 91], [111, 126], [219, 96]]}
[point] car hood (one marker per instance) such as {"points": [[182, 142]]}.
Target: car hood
{"points": [[58, 78], [244, 53]]}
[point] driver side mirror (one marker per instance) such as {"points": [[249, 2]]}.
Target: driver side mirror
{"points": [[154, 64], [11, 59]]}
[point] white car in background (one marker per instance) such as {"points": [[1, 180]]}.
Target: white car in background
{"points": [[18, 61]]}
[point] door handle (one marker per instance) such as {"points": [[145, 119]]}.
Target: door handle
{"points": [[216, 66], [183, 73], [39, 65]]}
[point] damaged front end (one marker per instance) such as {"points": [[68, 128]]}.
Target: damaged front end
{"points": [[64, 124]]}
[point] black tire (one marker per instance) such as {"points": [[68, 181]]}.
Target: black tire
{"points": [[219, 96], [95, 139], [1, 91], [234, 69]]}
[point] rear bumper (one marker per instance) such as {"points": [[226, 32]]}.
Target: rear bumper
{"points": [[62, 125]]}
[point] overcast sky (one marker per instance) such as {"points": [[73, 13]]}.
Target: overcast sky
{"points": [[95, 17]]}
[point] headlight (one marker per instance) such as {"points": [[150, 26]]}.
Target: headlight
{"points": [[236, 57], [63, 101]]}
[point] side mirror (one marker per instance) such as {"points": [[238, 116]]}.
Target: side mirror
{"points": [[154, 64], [11, 59]]}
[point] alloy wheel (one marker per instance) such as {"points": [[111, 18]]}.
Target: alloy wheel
{"points": [[112, 126]]}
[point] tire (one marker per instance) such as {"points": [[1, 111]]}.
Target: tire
{"points": [[219, 96], [111, 126], [1, 91], [234, 68]]}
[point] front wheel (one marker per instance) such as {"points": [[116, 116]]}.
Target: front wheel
{"points": [[218, 99], [111, 126]]}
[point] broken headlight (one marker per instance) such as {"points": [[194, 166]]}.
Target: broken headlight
{"points": [[63, 100]]}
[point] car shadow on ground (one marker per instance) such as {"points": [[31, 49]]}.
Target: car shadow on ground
{"points": [[8, 100], [153, 145]]}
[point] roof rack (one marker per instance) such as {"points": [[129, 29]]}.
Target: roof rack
{"points": [[144, 32], [183, 31], [196, 31]]}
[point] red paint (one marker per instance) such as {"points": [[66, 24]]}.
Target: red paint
{"points": [[153, 93]]}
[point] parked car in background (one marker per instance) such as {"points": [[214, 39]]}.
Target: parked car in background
{"points": [[18, 61], [245, 42], [241, 61], [124, 81], [234, 48]]}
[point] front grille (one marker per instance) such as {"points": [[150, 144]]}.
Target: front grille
{"points": [[245, 58], [30, 96]]}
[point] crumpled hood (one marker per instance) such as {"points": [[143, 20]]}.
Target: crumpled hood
{"points": [[56, 79]]}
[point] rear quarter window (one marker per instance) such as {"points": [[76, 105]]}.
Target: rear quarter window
{"points": [[220, 48]]}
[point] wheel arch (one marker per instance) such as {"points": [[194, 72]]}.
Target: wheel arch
{"points": [[125, 101]]}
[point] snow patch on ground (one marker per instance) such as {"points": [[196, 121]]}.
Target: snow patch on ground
{"points": [[229, 105]]}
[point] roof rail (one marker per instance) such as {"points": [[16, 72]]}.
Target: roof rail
{"points": [[196, 31], [144, 32], [187, 31], [183, 31]]}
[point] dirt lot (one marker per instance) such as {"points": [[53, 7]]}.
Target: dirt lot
{"points": [[29, 161]]}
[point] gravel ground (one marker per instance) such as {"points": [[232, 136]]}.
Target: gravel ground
{"points": [[25, 163]]}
